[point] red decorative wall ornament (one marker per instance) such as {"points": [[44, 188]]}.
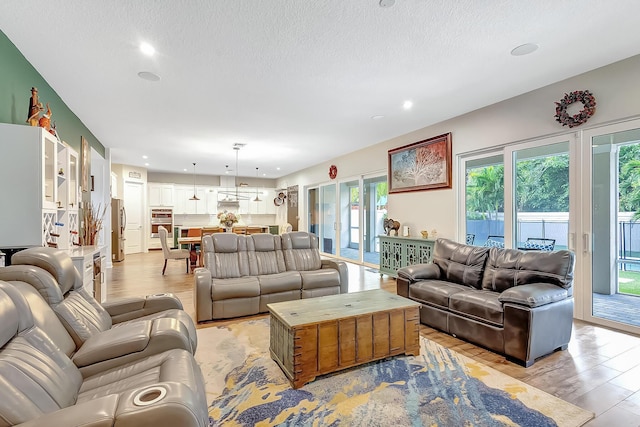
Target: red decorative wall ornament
{"points": [[333, 171], [586, 98]]}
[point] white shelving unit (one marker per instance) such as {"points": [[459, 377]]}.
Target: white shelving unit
{"points": [[38, 199]]}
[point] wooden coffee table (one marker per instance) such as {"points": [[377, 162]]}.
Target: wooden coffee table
{"points": [[316, 336]]}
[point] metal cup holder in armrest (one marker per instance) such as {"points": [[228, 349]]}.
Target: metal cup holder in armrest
{"points": [[149, 396]]}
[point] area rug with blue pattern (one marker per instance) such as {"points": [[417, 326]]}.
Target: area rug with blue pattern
{"points": [[440, 387]]}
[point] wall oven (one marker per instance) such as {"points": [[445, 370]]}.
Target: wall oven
{"points": [[162, 217]]}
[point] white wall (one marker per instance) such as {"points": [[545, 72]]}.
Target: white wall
{"points": [[526, 117]]}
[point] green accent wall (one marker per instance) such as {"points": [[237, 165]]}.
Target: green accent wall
{"points": [[17, 76]]}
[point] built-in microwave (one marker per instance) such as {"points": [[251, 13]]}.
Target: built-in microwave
{"points": [[161, 217]]}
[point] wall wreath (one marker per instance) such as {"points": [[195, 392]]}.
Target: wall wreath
{"points": [[333, 171], [588, 101]]}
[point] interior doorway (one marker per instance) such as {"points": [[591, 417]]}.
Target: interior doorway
{"points": [[133, 202]]}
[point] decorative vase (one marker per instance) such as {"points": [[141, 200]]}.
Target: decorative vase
{"points": [[228, 224]]}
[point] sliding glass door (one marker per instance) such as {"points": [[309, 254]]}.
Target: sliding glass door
{"points": [[350, 220], [483, 199], [321, 211], [610, 243], [541, 196], [363, 206], [579, 191]]}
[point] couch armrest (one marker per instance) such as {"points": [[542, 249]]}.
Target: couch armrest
{"points": [[417, 272], [341, 266], [129, 343], [534, 294], [124, 309], [183, 404], [98, 412], [178, 406], [202, 294], [114, 343]]}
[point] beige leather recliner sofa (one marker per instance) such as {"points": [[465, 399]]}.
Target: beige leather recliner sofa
{"points": [[82, 328], [41, 386], [242, 274]]}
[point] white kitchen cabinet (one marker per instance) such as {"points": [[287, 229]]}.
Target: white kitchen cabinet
{"points": [[197, 206], [183, 203], [33, 209], [181, 194], [211, 202], [161, 194]]}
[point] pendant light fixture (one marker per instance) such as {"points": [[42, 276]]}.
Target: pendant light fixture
{"points": [[194, 197], [257, 199], [237, 148]]}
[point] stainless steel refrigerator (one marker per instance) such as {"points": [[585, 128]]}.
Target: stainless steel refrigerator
{"points": [[118, 224]]}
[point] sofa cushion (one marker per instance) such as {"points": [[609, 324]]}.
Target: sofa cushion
{"points": [[241, 287], [435, 292], [301, 251], [325, 278], [225, 255], [280, 282], [460, 263], [481, 305], [510, 267], [265, 254]]}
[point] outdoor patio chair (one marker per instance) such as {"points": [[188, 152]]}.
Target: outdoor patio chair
{"points": [[470, 239], [540, 244], [494, 241]]}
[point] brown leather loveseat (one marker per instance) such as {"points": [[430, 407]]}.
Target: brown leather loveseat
{"points": [[518, 303]]}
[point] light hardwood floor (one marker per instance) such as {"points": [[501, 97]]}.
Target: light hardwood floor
{"points": [[600, 371]]}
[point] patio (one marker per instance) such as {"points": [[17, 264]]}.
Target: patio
{"points": [[617, 307]]}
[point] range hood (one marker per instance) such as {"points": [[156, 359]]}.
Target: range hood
{"points": [[232, 202]]}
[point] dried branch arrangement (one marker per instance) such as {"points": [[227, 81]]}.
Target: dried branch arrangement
{"points": [[92, 223]]}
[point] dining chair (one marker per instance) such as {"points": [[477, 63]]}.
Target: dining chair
{"points": [[240, 230], [211, 230], [255, 230], [171, 253]]}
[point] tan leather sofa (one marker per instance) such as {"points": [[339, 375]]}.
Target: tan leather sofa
{"points": [[518, 303], [83, 329], [41, 386], [242, 274]]}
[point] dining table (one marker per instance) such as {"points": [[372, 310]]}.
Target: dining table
{"points": [[193, 242]]}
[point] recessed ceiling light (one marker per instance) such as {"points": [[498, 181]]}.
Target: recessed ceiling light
{"points": [[146, 164], [524, 49], [184, 170], [277, 168], [387, 3], [148, 75], [145, 157], [147, 49], [407, 105], [378, 117]]}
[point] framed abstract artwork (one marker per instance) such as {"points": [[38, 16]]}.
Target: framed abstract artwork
{"points": [[86, 157], [423, 165]]}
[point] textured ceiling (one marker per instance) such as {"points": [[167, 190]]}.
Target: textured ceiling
{"points": [[298, 81]]}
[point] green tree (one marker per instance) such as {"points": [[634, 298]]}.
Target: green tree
{"points": [[485, 191], [542, 184], [629, 179]]}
